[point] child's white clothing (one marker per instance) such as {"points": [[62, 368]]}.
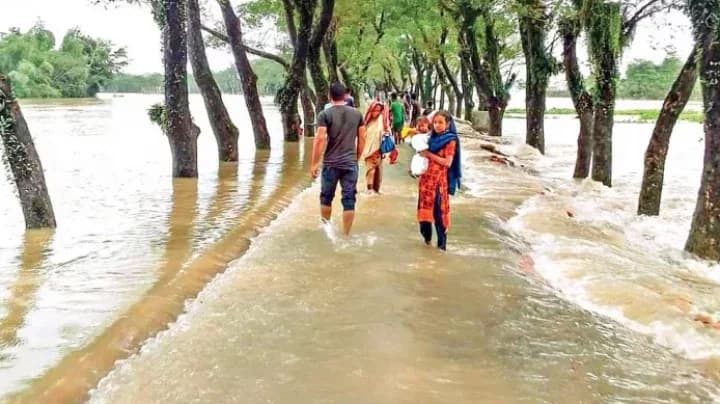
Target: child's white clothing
{"points": [[419, 164]]}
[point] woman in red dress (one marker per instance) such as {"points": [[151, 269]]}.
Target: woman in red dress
{"points": [[440, 180]]}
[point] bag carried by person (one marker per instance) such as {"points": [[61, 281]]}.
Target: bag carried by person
{"points": [[394, 155], [387, 144]]}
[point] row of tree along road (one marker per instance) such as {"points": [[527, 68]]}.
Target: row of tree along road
{"points": [[460, 52]]}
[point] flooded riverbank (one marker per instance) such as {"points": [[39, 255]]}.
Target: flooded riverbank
{"points": [[307, 316], [551, 291], [127, 232]]}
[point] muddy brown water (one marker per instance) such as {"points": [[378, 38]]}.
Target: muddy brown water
{"points": [[528, 305]]}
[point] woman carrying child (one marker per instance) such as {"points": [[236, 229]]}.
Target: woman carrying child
{"points": [[441, 179]]}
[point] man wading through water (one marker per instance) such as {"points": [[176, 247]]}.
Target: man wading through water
{"points": [[340, 128]]}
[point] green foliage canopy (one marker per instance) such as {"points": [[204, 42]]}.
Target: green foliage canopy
{"points": [[40, 68]]}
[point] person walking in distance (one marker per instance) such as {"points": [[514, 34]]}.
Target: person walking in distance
{"points": [[398, 117], [340, 138], [376, 125]]}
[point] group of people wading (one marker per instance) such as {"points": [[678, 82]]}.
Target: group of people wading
{"points": [[345, 137]]}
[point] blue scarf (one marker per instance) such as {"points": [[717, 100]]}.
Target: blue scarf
{"points": [[437, 142]]}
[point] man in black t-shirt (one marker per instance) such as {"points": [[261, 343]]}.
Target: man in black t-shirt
{"points": [[341, 129]]}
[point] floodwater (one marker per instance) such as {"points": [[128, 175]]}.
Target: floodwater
{"points": [[552, 290], [132, 245]]}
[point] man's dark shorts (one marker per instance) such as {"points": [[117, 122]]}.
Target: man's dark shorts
{"points": [[348, 183]]}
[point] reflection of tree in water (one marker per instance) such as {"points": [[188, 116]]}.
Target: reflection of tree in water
{"points": [[180, 227], [269, 178], [226, 188], [259, 172], [22, 293], [166, 298], [288, 178]]}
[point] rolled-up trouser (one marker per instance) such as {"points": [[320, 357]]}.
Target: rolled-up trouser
{"points": [[347, 177], [373, 171]]}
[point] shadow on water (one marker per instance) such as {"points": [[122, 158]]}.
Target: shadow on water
{"points": [[22, 293], [180, 278]]}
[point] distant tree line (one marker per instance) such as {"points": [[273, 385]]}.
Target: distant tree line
{"points": [[79, 66], [644, 80], [270, 79]]}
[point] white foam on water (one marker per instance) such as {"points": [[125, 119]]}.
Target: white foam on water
{"points": [[329, 230], [356, 240], [679, 335], [605, 230]]}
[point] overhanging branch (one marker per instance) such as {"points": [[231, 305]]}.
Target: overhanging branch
{"points": [[648, 9], [257, 52]]}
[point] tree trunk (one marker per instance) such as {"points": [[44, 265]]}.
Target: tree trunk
{"points": [[489, 77], [314, 63], [419, 74], [308, 111], [289, 93], [583, 159], [604, 49], [675, 101], [535, 107], [459, 102], [24, 162], [390, 82], [226, 134], [468, 54], [289, 8], [496, 111], [447, 88], [248, 78], [492, 91], [452, 103], [704, 237], [538, 70], [179, 127], [602, 137], [467, 92], [451, 78], [582, 100], [330, 50], [349, 80], [406, 76], [428, 88], [320, 83]]}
